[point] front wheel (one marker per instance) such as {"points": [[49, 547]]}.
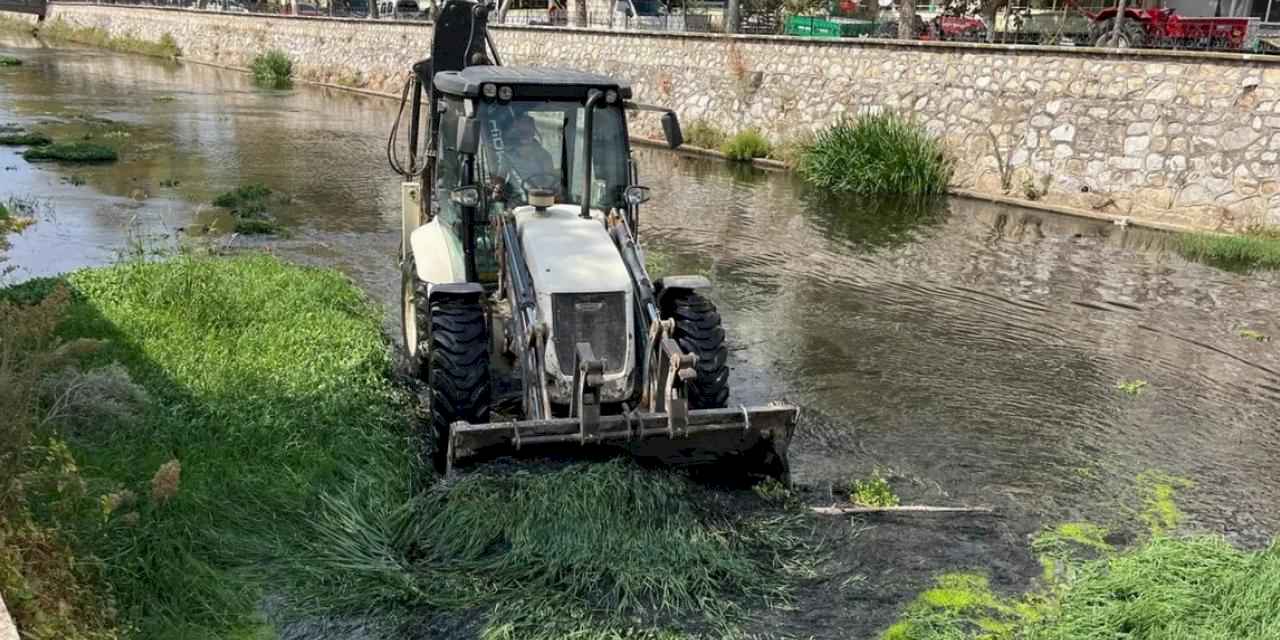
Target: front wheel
{"points": [[1131, 35], [698, 331], [457, 364]]}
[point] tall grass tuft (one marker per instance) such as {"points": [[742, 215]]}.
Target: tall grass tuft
{"points": [[745, 146], [1257, 248], [273, 70], [701, 133], [880, 153], [598, 548]]}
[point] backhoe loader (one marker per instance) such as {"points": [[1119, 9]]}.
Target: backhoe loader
{"points": [[521, 270]]}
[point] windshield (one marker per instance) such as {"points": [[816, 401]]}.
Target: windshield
{"points": [[539, 144]]}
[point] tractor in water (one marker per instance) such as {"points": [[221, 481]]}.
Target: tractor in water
{"points": [[521, 271]]}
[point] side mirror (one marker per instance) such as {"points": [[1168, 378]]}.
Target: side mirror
{"points": [[671, 129], [468, 136], [636, 195]]}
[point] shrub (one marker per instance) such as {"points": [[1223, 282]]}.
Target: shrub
{"points": [[881, 153], [745, 145], [24, 139], [71, 152], [273, 70], [1257, 248], [701, 133]]}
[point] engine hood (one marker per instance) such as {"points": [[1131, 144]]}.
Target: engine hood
{"points": [[569, 254]]}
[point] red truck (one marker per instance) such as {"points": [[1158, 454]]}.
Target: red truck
{"points": [[1165, 28]]}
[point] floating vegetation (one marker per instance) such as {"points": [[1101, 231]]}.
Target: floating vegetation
{"points": [[24, 139], [745, 146], [881, 153], [1258, 336], [1256, 248], [10, 61], [86, 152], [248, 206], [165, 98], [874, 492], [273, 70], [1132, 387]]}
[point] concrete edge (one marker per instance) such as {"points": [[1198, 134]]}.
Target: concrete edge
{"points": [[1145, 55]]}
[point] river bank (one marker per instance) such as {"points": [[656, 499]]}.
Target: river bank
{"points": [[970, 353]]}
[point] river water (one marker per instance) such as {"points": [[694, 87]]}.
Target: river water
{"points": [[969, 351]]}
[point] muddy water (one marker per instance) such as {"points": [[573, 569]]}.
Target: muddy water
{"points": [[971, 351]]}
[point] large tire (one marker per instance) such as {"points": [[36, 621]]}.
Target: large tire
{"points": [[698, 332], [415, 319], [457, 369], [1132, 33]]}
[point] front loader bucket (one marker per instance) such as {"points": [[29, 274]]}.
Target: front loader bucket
{"points": [[747, 441]]}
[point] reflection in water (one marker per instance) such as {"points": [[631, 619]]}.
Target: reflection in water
{"points": [[971, 346]]}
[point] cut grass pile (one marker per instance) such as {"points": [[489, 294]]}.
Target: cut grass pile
{"points": [[272, 70], [24, 139], [57, 29], [590, 550], [248, 206], [881, 153], [82, 152], [268, 462], [1257, 248], [268, 385]]}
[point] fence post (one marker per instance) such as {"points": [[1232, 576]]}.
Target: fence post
{"points": [[731, 14]]}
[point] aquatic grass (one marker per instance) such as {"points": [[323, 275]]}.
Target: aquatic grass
{"points": [[588, 550], [874, 492], [1256, 336], [745, 146], [1132, 387], [24, 139], [701, 133], [1257, 248], [82, 152], [58, 29], [268, 385], [248, 205], [273, 70], [880, 153]]}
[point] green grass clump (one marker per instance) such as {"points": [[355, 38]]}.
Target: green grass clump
{"points": [[882, 153], [249, 208], [1256, 336], [72, 152], [268, 384], [24, 139], [701, 133], [1132, 387], [1254, 249], [165, 47], [874, 492], [9, 61], [745, 146], [591, 550], [273, 70]]}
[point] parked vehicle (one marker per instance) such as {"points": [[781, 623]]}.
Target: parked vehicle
{"points": [[1166, 28]]}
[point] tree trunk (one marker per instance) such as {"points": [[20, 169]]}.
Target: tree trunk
{"points": [[907, 19], [293, 7], [1113, 40], [732, 16], [373, 9], [989, 10], [581, 18]]}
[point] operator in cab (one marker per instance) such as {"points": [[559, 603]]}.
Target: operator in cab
{"points": [[525, 156]]}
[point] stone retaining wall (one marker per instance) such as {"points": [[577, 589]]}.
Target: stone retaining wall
{"points": [[1177, 138]]}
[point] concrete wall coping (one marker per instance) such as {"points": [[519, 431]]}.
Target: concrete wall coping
{"points": [[1136, 55]]}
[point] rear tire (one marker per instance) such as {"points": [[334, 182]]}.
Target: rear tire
{"points": [[457, 369], [699, 332]]}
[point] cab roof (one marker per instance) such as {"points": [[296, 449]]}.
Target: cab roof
{"points": [[529, 82]]}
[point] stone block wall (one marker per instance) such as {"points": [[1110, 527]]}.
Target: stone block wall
{"points": [[1177, 138]]}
